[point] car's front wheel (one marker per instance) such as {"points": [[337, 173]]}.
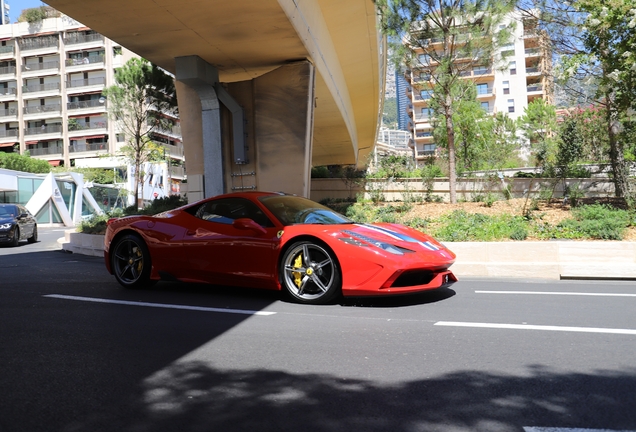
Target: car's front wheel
{"points": [[33, 237], [310, 273], [16, 237], [130, 261]]}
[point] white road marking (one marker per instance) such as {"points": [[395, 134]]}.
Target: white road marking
{"points": [[160, 305], [536, 327], [549, 429], [557, 293]]}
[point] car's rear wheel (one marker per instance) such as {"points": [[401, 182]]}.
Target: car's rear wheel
{"points": [[34, 237], [130, 261], [16, 237], [310, 273]]}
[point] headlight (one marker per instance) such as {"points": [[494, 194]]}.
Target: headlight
{"points": [[362, 240], [6, 226]]}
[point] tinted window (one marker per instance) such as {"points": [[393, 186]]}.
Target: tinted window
{"points": [[227, 210]]}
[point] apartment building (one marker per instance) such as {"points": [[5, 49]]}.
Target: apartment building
{"points": [[52, 74], [526, 78]]}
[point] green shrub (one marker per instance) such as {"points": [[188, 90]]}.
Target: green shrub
{"points": [[463, 226], [320, 172]]}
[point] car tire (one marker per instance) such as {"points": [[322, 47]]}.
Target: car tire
{"points": [[309, 273], [130, 262], [34, 237], [16, 237]]}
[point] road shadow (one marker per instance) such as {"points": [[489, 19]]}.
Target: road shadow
{"points": [[193, 396]]}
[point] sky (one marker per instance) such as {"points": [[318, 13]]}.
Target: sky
{"points": [[18, 5]]}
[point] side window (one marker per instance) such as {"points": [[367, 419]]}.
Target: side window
{"points": [[226, 211]]}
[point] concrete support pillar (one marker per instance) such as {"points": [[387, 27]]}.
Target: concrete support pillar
{"points": [[200, 124], [283, 116], [277, 110]]}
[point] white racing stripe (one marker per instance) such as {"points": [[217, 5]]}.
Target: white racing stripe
{"points": [[551, 429], [557, 293], [536, 327], [160, 305]]}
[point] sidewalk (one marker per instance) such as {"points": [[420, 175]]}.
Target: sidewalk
{"points": [[528, 259]]}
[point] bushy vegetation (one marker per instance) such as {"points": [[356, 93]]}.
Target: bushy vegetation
{"points": [[24, 163], [97, 223], [597, 222]]}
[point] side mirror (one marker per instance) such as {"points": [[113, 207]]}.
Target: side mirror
{"points": [[248, 224]]}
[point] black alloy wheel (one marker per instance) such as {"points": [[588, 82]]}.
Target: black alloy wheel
{"points": [[34, 237], [130, 262]]}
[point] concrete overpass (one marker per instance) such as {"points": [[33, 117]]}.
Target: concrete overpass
{"points": [[266, 88]]}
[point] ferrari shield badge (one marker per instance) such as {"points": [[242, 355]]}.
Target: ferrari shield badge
{"points": [[280, 233]]}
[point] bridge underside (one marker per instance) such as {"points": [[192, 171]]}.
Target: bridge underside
{"points": [[260, 49]]}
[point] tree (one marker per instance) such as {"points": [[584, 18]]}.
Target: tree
{"points": [[390, 114], [141, 94], [447, 39], [539, 126], [595, 40]]}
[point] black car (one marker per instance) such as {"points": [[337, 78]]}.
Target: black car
{"points": [[17, 223]]}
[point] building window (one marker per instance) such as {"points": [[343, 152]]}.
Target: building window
{"points": [[424, 58], [511, 105], [506, 87], [485, 106], [512, 66], [482, 89], [426, 94]]}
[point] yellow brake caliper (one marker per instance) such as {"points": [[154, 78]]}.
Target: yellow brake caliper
{"points": [[298, 263]]}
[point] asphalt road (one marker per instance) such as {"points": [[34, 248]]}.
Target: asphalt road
{"points": [[78, 353]]}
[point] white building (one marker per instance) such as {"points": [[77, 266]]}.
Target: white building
{"points": [[526, 78], [52, 74]]}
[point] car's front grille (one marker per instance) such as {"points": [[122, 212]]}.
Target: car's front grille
{"points": [[414, 278]]}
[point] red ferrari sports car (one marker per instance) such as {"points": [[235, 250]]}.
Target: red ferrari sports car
{"points": [[275, 241]]}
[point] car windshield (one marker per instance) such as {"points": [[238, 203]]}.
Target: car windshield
{"points": [[7, 211], [290, 210]]}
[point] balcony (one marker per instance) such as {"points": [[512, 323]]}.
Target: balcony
{"points": [[7, 70], [86, 82], [175, 131], [84, 60], [74, 39], [84, 146], [485, 92], [11, 112], [476, 72], [40, 87], [7, 49], [423, 118], [40, 151], [39, 109], [531, 52], [28, 44], [9, 133], [173, 151], [74, 125], [534, 88], [43, 130], [85, 105], [41, 66], [8, 93], [423, 134]]}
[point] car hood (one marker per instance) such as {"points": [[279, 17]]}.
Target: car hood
{"points": [[4, 220], [397, 235]]}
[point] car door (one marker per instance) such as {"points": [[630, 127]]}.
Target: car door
{"points": [[26, 222], [219, 251]]}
